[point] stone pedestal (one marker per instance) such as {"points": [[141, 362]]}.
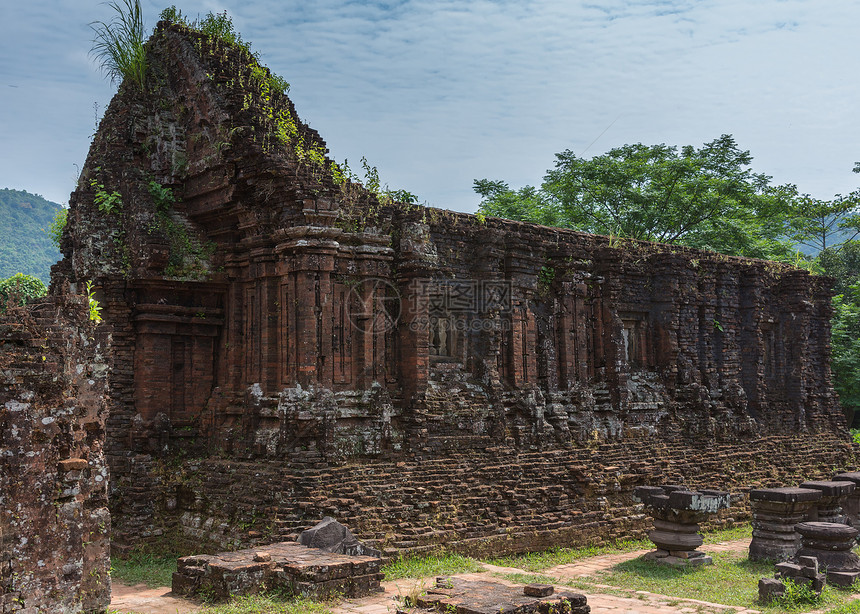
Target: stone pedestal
{"points": [[851, 506], [830, 543], [829, 506], [775, 511], [677, 513]]}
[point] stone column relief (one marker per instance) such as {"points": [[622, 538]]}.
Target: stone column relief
{"points": [[677, 513]]}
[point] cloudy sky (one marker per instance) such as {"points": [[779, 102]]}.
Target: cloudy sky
{"points": [[437, 93]]}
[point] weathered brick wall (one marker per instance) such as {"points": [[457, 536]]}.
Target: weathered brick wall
{"points": [[54, 519], [502, 500], [284, 322]]}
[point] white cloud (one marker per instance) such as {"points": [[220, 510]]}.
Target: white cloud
{"points": [[438, 93]]}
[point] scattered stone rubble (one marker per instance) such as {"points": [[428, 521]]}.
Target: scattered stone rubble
{"points": [[804, 572], [481, 597], [677, 513]]}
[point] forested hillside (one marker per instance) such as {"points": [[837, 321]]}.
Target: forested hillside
{"points": [[24, 245]]}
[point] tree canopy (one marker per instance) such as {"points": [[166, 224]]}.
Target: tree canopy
{"points": [[20, 289], [845, 342], [706, 197]]}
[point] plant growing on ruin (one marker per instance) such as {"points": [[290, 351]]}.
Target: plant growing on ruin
{"points": [[546, 276], [162, 196], [220, 25], [19, 289], [119, 44], [107, 202], [173, 15], [95, 309], [57, 226]]}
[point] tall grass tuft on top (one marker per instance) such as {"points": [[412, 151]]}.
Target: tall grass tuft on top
{"points": [[118, 44]]}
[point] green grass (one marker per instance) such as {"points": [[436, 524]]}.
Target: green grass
{"points": [[433, 565], [731, 580], [150, 569], [726, 535], [851, 607], [260, 604], [539, 561]]}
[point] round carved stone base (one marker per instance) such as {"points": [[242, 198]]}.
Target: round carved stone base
{"points": [[831, 544]]}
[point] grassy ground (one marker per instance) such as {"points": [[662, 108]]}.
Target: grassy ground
{"points": [[150, 569], [434, 565], [732, 580], [539, 561], [267, 605]]}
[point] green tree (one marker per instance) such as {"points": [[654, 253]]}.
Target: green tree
{"points": [[845, 342], [706, 197], [57, 226], [20, 289], [842, 262], [820, 225]]}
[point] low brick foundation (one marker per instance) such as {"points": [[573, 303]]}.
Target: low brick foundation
{"points": [[300, 570], [501, 501]]}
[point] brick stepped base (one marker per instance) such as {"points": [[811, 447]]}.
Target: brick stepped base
{"points": [[309, 572], [496, 502]]}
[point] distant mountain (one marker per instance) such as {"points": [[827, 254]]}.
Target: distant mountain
{"points": [[24, 244]]}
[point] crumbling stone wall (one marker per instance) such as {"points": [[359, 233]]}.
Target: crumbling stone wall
{"points": [[54, 519], [279, 316]]}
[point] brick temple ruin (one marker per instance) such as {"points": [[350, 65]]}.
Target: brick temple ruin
{"points": [[285, 346], [298, 348]]}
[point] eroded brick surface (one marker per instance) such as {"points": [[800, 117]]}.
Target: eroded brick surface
{"points": [[54, 520]]}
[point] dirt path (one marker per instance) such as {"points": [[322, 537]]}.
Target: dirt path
{"points": [[145, 600], [158, 601]]}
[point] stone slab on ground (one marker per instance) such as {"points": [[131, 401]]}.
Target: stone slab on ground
{"points": [[309, 572], [484, 597]]}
